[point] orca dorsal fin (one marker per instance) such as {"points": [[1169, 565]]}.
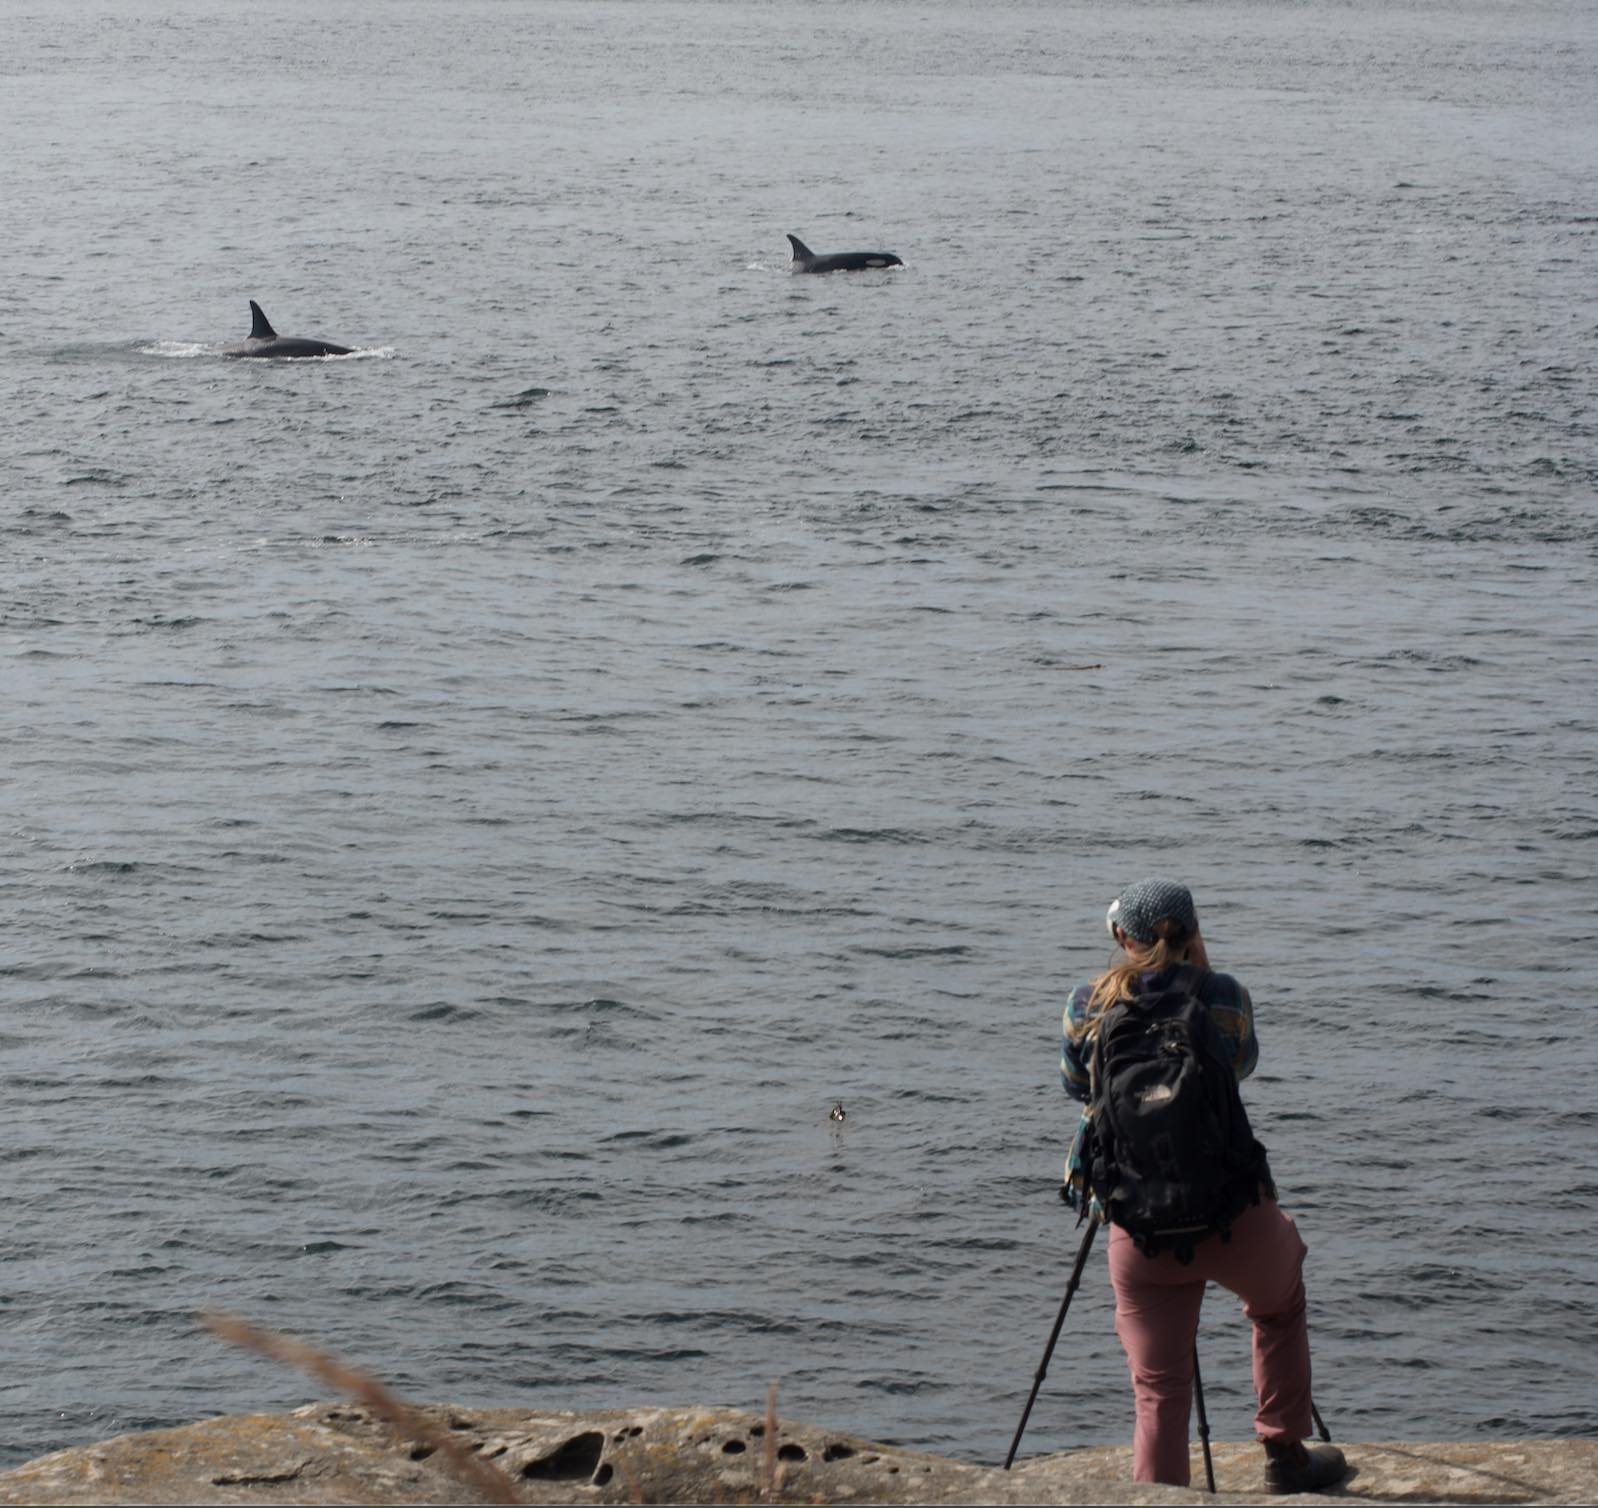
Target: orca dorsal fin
{"points": [[801, 252], [260, 325]]}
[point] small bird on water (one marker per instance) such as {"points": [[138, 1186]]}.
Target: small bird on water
{"points": [[837, 1112]]}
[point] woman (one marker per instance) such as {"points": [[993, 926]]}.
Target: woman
{"points": [[1157, 1298]]}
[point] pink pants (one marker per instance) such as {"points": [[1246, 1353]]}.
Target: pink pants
{"points": [[1156, 1315]]}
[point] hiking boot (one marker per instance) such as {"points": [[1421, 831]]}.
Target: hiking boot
{"points": [[1292, 1466]]}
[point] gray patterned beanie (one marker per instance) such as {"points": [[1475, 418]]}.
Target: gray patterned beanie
{"points": [[1144, 903]]}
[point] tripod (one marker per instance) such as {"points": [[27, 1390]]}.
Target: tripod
{"points": [[1198, 1380]]}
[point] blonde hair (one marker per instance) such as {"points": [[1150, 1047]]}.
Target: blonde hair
{"points": [[1168, 947]]}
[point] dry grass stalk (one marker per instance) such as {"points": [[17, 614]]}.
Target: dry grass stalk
{"points": [[773, 1474], [485, 1479]]}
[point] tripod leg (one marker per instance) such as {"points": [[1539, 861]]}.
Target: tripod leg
{"points": [[1054, 1335], [1320, 1424], [1204, 1423]]}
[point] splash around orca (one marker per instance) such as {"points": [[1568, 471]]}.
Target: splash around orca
{"points": [[805, 260], [264, 341]]}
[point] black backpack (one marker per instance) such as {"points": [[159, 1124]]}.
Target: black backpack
{"points": [[1169, 1151]]}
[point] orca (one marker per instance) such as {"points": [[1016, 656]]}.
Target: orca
{"points": [[265, 341], [805, 260]]}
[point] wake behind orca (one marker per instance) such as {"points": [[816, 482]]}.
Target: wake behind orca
{"points": [[265, 341], [805, 260]]}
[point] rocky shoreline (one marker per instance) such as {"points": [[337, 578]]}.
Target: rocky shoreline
{"points": [[342, 1453]]}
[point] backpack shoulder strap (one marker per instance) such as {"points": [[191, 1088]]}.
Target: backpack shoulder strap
{"points": [[1189, 976], [1095, 1056]]}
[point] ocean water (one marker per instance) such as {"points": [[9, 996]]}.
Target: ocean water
{"points": [[469, 808]]}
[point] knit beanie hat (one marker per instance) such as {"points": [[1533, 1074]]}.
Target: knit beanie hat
{"points": [[1145, 902]]}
